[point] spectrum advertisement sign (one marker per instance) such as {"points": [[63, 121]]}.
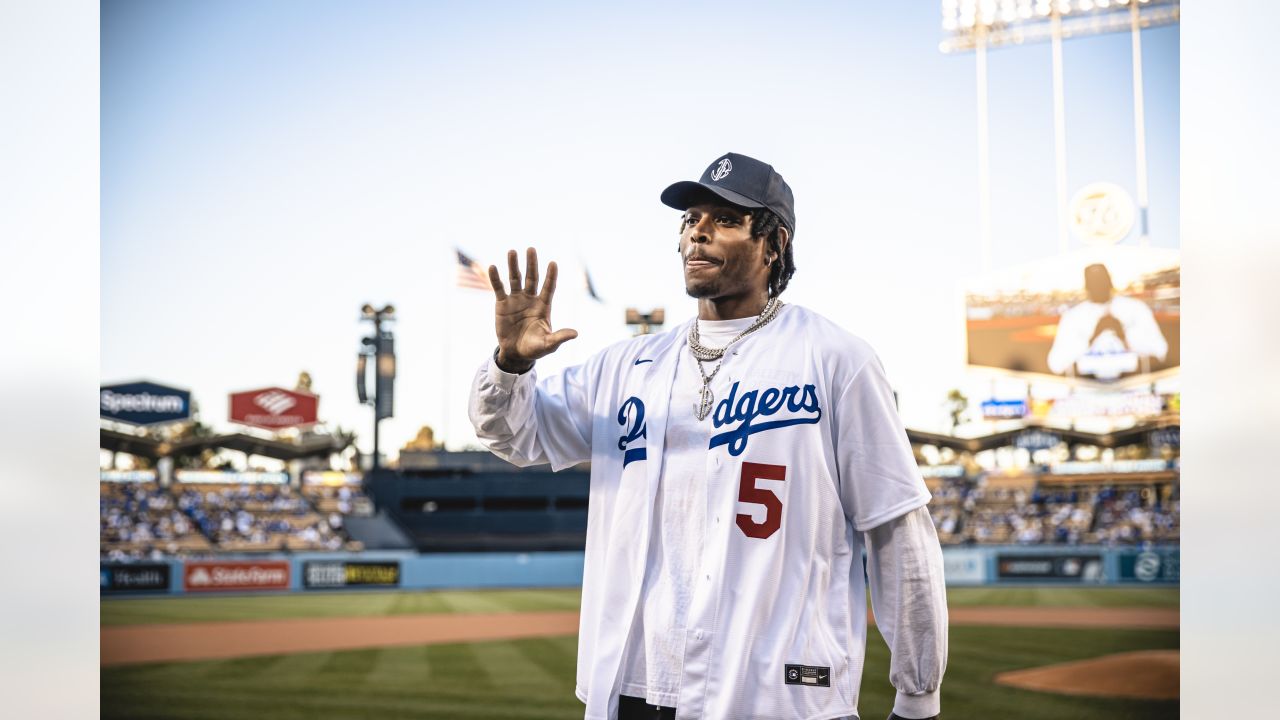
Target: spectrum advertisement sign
{"points": [[144, 403], [216, 576]]}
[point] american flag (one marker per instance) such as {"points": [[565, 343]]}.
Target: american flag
{"points": [[472, 274]]}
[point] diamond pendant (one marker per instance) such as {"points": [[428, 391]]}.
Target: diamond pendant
{"points": [[705, 400]]}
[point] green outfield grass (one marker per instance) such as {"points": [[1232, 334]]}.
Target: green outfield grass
{"points": [[135, 611], [534, 678], [1063, 597], [213, 608]]}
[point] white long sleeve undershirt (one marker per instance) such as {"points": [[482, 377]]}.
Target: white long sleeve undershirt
{"points": [[908, 597]]}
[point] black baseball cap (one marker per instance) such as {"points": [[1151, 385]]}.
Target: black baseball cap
{"points": [[739, 180]]}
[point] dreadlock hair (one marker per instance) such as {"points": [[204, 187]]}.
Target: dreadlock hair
{"points": [[767, 225]]}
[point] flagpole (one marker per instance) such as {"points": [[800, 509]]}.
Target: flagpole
{"points": [[444, 345]]}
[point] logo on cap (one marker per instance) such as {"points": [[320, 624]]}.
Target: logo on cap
{"points": [[722, 170]]}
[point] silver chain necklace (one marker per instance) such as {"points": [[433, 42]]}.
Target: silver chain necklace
{"points": [[703, 353]]}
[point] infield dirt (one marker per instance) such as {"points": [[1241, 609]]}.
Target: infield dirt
{"points": [[1144, 674]]}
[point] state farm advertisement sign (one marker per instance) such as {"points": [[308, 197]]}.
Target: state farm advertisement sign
{"points": [[274, 408], [214, 576]]}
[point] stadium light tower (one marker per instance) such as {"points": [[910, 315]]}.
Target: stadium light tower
{"points": [[381, 346], [644, 323], [979, 24]]}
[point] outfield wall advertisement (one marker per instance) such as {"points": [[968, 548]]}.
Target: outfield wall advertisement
{"points": [[1151, 566], [221, 576], [329, 574], [971, 565], [135, 577], [964, 567], [1063, 568]]}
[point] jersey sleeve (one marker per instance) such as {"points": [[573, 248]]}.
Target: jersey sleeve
{"points": [[527, 421], [879, 477]]}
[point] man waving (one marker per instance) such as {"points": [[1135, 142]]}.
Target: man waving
{"points": [[740, 465]]}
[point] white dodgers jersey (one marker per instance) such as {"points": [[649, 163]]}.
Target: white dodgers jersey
{"points": [[807, 451]]}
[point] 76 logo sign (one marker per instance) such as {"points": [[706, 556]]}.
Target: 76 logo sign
{"points": [[748, 492]]}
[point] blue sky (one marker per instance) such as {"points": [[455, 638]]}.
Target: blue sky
{"points": [[269, 167]]}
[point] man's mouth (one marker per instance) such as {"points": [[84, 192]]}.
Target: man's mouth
{"points": [[700, 262]]}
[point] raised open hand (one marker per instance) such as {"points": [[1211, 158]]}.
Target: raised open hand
{"points": [[1109, 322], [524, 316]]}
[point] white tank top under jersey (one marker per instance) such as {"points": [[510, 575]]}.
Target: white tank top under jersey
{"points": [[654, 658]]}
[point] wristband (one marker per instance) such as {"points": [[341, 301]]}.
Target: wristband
{"points": [[506, 370]]}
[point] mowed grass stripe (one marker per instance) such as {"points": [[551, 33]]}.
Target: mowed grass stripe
{"points": [[506, 665], [450, 681], [330, 702], [552, 654], [1099, 597], [457, 668], [137, 611], [435, 681], [116, 611], [349, 667]]}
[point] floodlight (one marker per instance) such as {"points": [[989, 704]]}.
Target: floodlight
{"points": [[980, 25], [1033, 20]]}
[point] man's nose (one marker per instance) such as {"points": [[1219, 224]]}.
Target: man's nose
{"points": [[701, 231]]}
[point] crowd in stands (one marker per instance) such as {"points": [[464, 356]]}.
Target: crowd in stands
{"points": [[1124, 516], [145, 521], [141, 520], [966, 512]]}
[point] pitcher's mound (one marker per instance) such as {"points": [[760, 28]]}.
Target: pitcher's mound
{"points": [[1145, 674]]}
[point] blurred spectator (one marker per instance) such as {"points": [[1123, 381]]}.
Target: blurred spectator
{"points": [[141, 521]]}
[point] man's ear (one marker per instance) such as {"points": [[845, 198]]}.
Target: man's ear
{"points": [[784, 237]]}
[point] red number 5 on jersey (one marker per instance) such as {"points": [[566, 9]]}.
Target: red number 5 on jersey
{"points": [[749, 493]]}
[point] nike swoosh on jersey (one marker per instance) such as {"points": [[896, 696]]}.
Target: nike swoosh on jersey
{"points": [[643, 361]]}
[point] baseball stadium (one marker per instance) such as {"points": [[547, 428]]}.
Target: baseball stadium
{"points": [[274, 563], [446, 588]]}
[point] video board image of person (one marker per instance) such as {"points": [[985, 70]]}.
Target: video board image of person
{"points": [[1106, 335]]}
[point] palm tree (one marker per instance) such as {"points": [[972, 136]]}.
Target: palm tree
{"points": [[956, 404]]}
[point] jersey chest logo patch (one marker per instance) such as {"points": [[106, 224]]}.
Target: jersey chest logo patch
{"points": [[631, 417], [751, 405]]}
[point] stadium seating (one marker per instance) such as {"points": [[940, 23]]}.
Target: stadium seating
{"points": [[142, 520], [1026, 509]]}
